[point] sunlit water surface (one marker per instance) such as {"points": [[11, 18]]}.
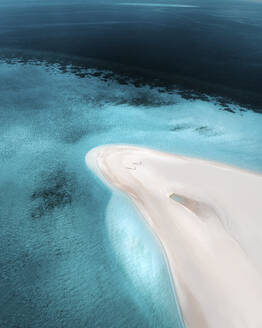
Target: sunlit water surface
{"points": [[72, 253]]}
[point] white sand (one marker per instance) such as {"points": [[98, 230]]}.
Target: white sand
{"points": [[208, 217]]}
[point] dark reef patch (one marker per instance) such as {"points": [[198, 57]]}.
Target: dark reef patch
{"points": [[73, 136], [180, 127], [206, 131], [56, 191]]}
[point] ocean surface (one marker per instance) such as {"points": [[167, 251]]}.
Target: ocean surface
{"points": [[75, 75], [210, 46]]}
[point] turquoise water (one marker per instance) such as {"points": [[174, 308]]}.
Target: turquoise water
{"points": [[141, 258], [73, 254]]}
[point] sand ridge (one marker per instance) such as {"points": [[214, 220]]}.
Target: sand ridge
{"points": [[208, 218]]}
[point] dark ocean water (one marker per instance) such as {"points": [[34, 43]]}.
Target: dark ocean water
{"points": [[214, 47], [75, 75]]}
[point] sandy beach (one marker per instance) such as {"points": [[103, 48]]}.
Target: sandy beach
{"points": [[208, 217]]}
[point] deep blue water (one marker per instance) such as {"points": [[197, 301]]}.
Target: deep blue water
{"points": [[72, 254], [214, 47]]}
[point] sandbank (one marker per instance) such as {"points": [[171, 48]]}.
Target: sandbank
{"points": [[208, 217]]}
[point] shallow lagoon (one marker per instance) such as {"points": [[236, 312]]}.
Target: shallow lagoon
{"points": [[64, 259]]}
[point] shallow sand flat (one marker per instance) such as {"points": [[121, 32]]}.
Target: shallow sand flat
{"points": [[208, 217]]}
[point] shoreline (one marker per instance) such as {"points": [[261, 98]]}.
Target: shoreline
{"points": [[216, 270], [91, 162]]}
